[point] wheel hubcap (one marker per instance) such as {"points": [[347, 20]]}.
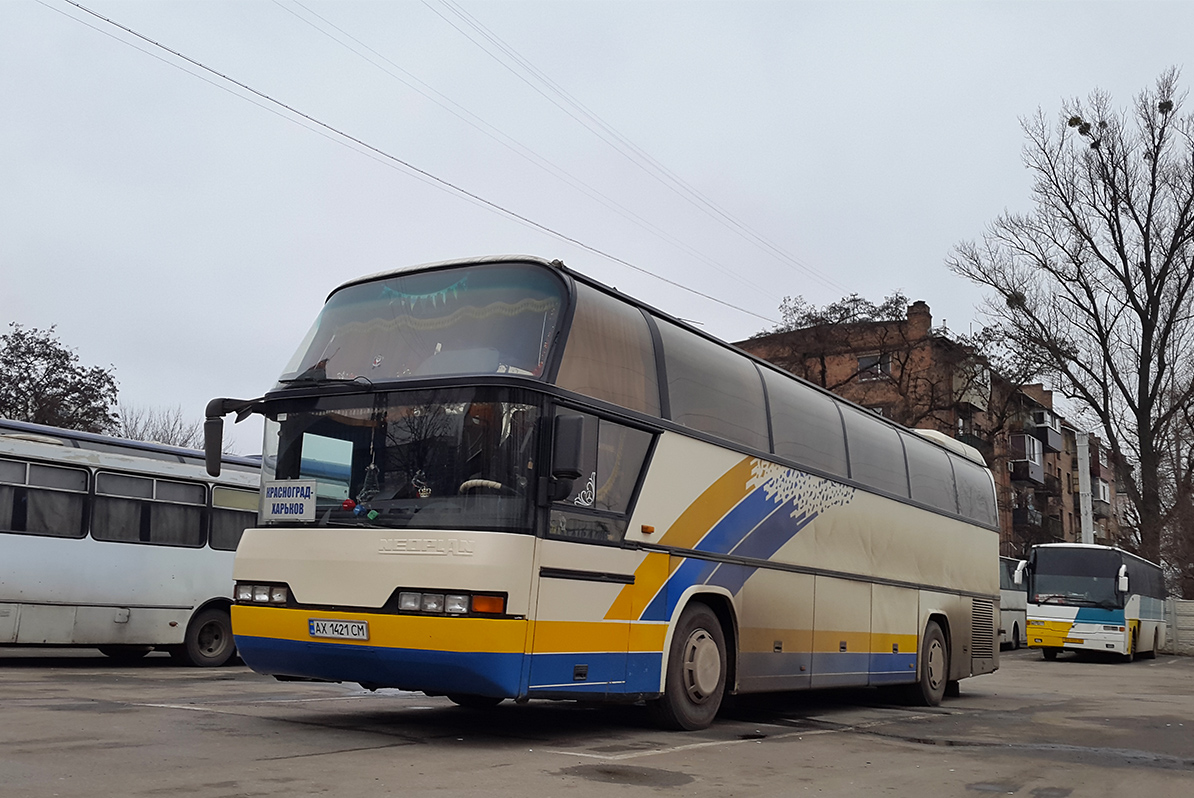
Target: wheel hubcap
{"points": [[702, 666], [936, 664], [211, 639]]}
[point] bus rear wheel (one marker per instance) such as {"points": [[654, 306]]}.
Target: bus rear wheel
{"points": [[209, 642], [934, 667], [1152, 652], [696, 672]]}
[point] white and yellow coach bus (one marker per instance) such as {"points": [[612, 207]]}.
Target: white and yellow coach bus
{"points": [[1083, 596], [497, 478], [116, 544]]}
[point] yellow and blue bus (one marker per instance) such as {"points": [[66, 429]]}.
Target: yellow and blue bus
{"points": [[499, 479], [1086, 597]]}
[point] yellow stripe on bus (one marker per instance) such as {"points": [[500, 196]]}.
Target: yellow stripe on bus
{"points": [[692, 525], [463, 635]]}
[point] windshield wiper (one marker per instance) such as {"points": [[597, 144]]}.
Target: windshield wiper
{"points": [[316, 379]]}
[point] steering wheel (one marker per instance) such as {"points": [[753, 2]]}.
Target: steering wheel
{"points": [[481, 484]]}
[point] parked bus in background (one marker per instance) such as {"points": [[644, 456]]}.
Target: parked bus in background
{"points": [[120, 545], [1085, 597], [1013, 602], [498, 478]]}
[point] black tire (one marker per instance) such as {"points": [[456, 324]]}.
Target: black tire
{"points": [[125, 653], [1152, 652], [1133, 646], [471, 701], [696, 672], [1015, 637], [209, 642], [934, 667], [1049, 653]]}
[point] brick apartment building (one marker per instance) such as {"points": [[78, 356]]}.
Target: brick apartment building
{"points": [[920, 377]]}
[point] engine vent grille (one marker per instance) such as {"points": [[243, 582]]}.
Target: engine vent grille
{"points": [[982, 629]]}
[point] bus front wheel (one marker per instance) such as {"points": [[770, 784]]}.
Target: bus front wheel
{"points": [[472, 701], [125, 654], [208, 643], [696, 672], [1049, 653], [934, 667], [1015, 637]]}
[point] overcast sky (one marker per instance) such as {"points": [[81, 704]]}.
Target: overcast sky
{"points": [[186, 231]]}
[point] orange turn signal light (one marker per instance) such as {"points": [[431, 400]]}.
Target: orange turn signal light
{"points": [[495, 605]]}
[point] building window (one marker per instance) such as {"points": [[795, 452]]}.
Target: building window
{"points": [[874, 367], [1103, 491]]}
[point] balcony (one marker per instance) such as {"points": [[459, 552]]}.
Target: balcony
{"points": [[977, 441], [1051, 486], [1049, 438], [1100, 508], [1028, 472], [1026, 516], [1054, 530]]}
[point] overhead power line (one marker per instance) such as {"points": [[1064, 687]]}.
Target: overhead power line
{"points": [[391, 69], [393, 159], [541, 83]]}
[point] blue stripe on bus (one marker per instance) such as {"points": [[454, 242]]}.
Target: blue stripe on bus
{"points": [[480, 673], [608, 672], [761, 543], [725, 535], [1099, 615]]}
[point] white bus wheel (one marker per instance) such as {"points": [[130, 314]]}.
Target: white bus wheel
{"points": [[696, 672], [208, 643]]}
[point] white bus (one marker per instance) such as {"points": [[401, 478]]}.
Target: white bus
{"points": [[497, 478], [1093, 598], [120, 545], [1013, 602]]}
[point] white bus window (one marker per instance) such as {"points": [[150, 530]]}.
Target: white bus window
{"points": [[930, 473], [805, 425], [876, 456], [609, 354], [124, 513], [713, 389], [122, 485], [53, 504], [328, 461], [187, 493], [12, 472], [233, 511]]}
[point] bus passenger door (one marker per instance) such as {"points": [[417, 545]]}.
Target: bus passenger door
{"points": [[574, 649]]}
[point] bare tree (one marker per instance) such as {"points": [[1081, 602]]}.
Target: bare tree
{"points": [[1096, 280], [160, 425], [41, 381]]}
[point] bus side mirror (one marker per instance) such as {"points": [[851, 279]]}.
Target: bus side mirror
{"points": [[1018, 577], [213, 444], [567, 448], [1121, 582]]}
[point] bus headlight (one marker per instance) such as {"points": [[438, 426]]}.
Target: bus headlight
{"points": [[455, 604], [450, 603], [248, 593]]}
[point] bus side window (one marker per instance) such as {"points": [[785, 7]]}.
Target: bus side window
{"points": [[610, 470], [975, 498], [713, 389], [132, 509], [806, 425], [50, 501], [233, 511], [930, 473], [876, 455]]}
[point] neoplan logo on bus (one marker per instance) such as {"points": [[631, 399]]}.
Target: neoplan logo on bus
{"points": [[341, 630]]}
